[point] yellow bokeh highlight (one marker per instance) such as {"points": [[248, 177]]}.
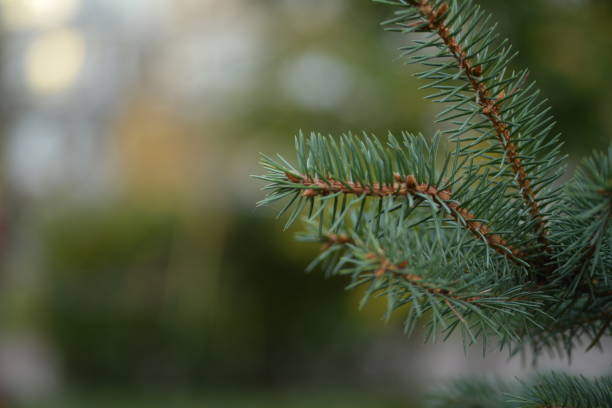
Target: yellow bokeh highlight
{"points": [[36, 14], [54, 60]]}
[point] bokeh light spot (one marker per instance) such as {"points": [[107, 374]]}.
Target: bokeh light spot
{"points": [[31, 14], [54, 60]]}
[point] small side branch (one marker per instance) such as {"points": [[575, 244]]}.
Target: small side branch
{"points": [[331, 240], [385, 266]]}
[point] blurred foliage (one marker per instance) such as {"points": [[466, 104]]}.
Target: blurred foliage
{"points": [[116, 306], [337, 399], [107, 293]]}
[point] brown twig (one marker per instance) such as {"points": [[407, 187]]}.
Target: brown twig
{"points": [[331, 240], [385, 266], [491, 108], [408, 185]]}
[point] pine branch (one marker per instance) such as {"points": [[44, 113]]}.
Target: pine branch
{"points": [[401, 218], [505, 103], [417, 272], [576, 322], [565, 391], [542, 391], [584, 229], [405, 186], [383, 266], [407, 172], [491, 107]]}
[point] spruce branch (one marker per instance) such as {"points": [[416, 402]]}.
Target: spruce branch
{"points": [[584, 230], [580, 321], [491, 106], [400, 216], [565, 391], [404, 186], [407, 270], [541, 391], [461, 32], [323, 176]]}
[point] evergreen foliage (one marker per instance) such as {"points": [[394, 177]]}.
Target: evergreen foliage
{"points": [[550, 390], [469, 230]]}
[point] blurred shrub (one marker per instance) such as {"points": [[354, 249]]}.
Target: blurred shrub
{"points": [[106, 291], [137, 296]]}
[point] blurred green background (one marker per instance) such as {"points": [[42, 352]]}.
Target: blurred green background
{"points": [[135, 270]]}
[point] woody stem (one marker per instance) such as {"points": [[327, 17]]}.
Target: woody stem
{"points": [[404, 186], [490, 108]]}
